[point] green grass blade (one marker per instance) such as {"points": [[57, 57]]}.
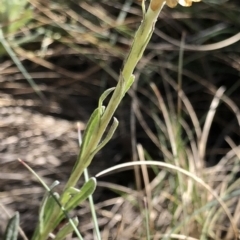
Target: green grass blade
{"points": [[92, 207], [20, 66]]}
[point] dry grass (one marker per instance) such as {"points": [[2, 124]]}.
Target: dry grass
{"points": [[73, 53]]}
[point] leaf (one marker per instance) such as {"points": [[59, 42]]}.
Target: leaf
{"points": [[103, 97], [87, 189], [107, 138], [93, 123], [66, 229], [11, 232], [47, 206], [129, 83]]}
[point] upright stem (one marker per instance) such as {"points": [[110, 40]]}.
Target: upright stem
{"points": [[141, 39]]}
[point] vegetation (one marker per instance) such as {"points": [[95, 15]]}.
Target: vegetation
{"points": [[188, 191]]}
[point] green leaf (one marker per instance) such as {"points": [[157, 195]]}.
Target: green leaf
{"points": [[107, 138], [11, 232], [66, 229], [129, 83], [103, 97], [47, 207], [93, 123], [51, 208], [87, 189]]}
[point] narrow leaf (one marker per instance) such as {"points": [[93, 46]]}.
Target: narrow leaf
{"points": [[47, 207], [107, 138], [103, 97], [129, 83], [87, 189], [66, 229], [11, 232]]}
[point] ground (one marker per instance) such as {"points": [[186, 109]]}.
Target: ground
{"points": [[76, 52]]}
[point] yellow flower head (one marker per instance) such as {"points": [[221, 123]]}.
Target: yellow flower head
{"points": [[156, 4], [185, 3]]}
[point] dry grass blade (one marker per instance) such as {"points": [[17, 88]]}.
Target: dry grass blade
{"points": [[208, 122], [147, 185], [178, 170], [185, 100], [149, 132], [207, 47], [237, 208], [172, 134], [173, 236]]}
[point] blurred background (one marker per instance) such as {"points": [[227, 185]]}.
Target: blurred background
{"points": [[57, 57]]}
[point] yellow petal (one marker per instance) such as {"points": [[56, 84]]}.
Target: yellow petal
{"points": [[185, 3], [172, 3], [155, 4]]}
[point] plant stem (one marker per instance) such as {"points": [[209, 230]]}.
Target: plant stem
{"points": [[141, 39]]}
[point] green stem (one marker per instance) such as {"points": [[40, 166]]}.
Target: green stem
{"points": [[141, 39]]}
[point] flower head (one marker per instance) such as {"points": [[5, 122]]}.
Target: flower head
{"points": [[185, 3]]}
